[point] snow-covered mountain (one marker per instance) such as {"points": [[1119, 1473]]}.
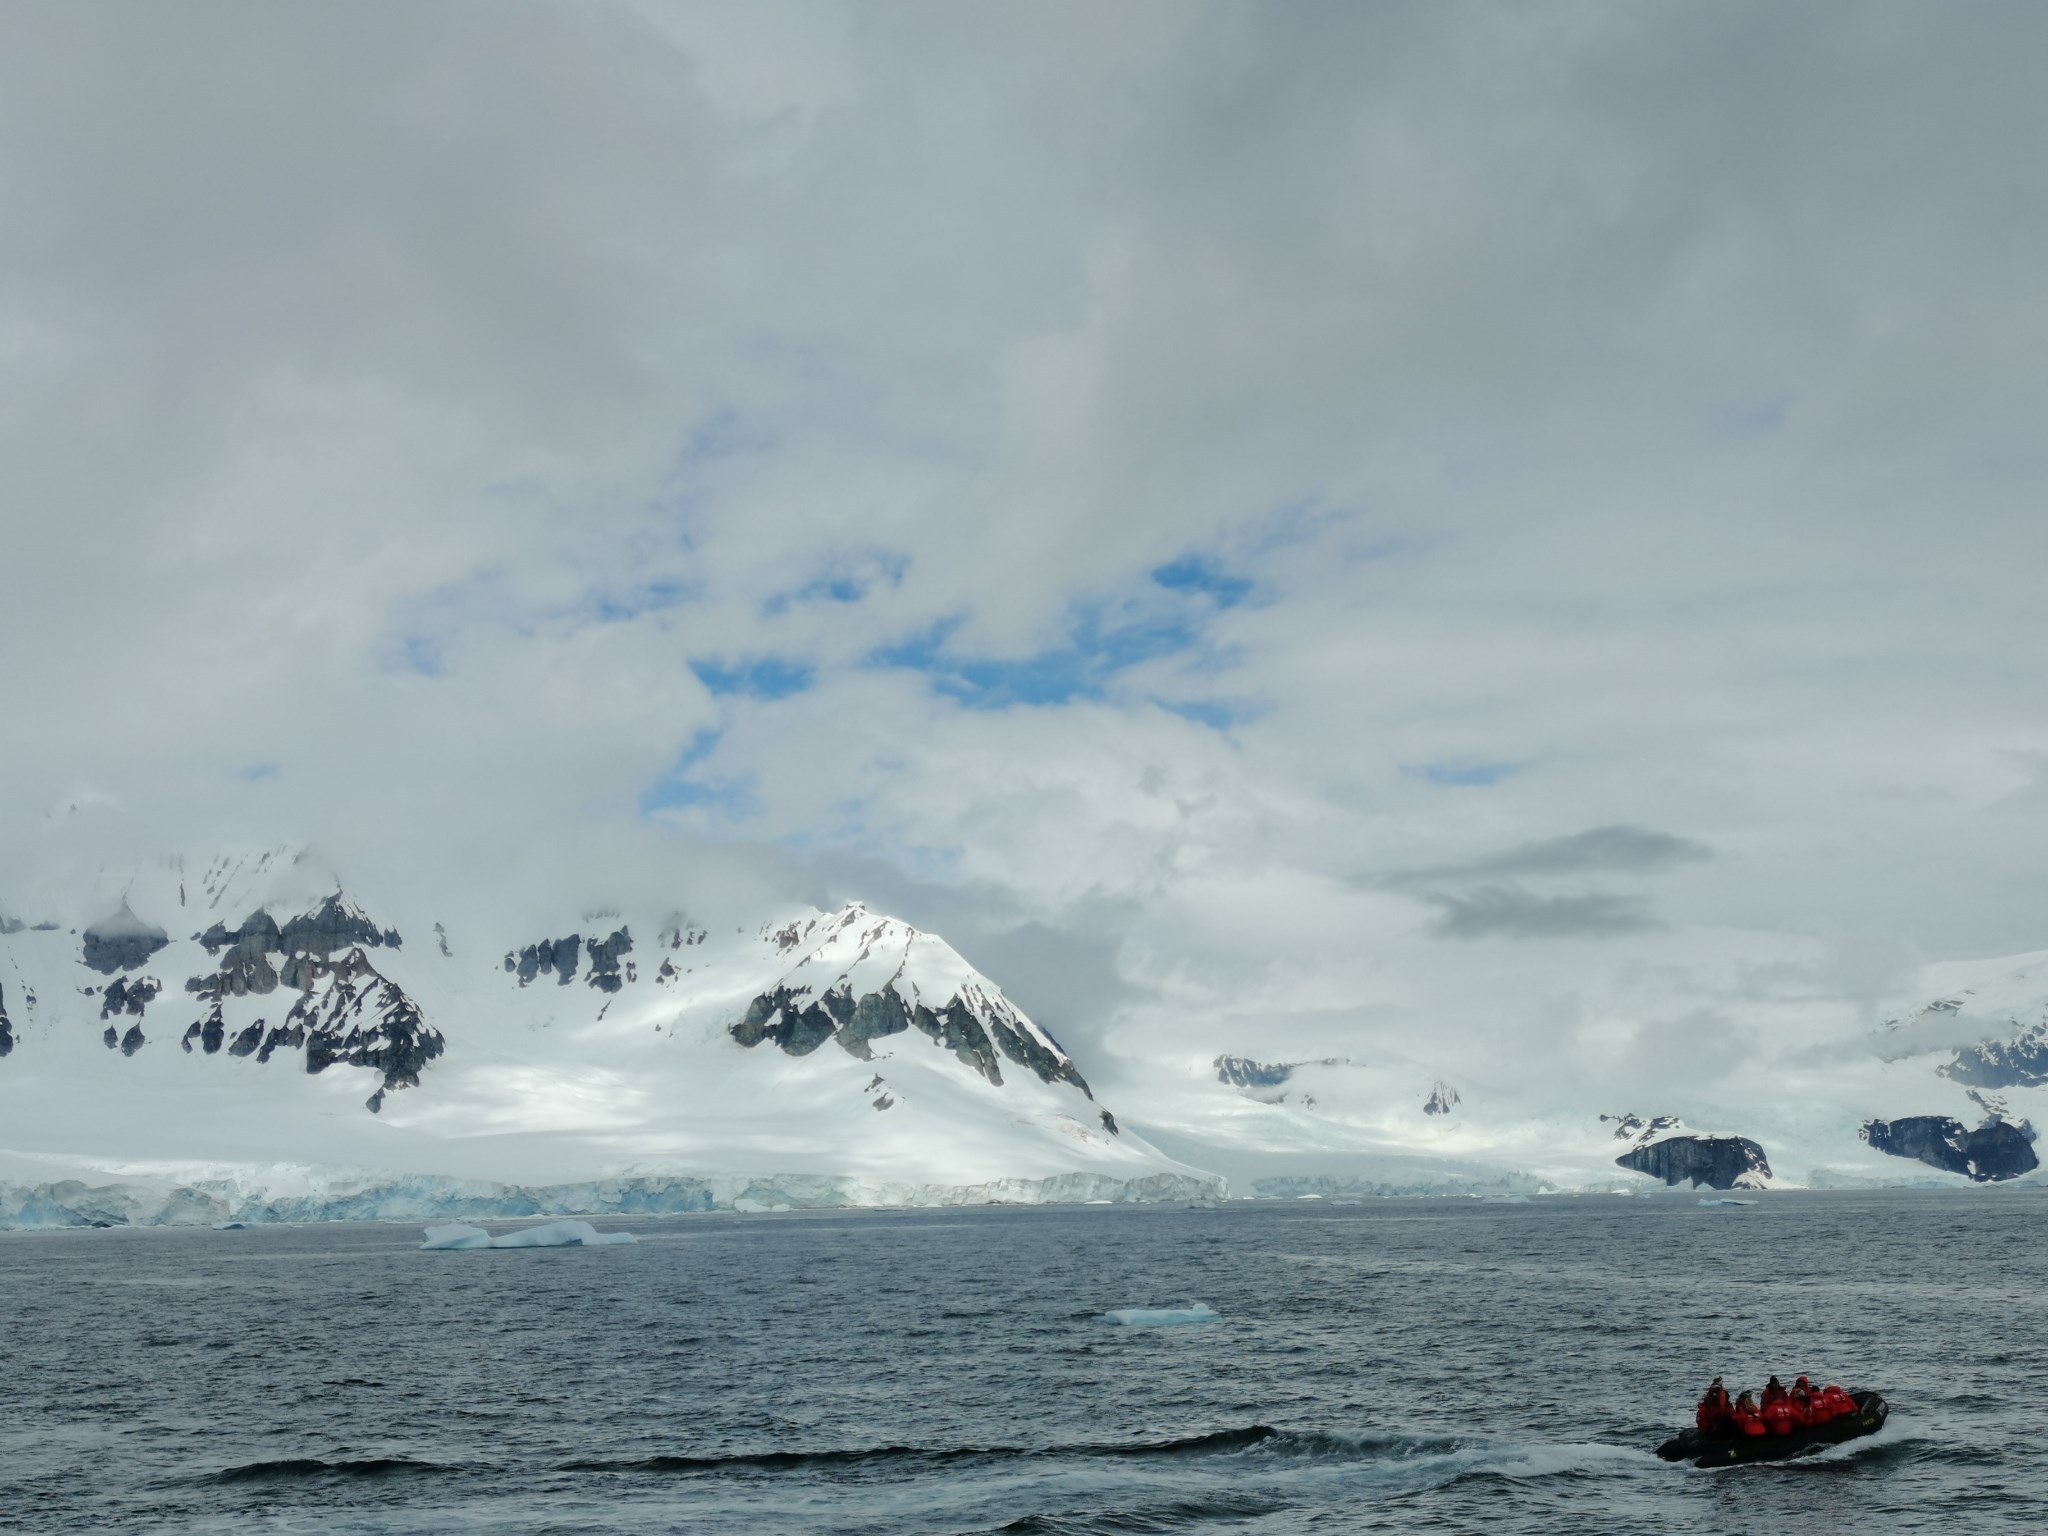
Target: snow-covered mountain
{"points": [[250, 1037], [226, 1034], [1947, 1090]]}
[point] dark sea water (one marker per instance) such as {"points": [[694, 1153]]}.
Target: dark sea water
{"points": [[1395, 1366]]}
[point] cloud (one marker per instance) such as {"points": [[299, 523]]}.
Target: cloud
{"points": [[1616, 849], [1504, 912], [1125, 469]]}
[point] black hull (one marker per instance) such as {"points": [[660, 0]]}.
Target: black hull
{"points": [[1733, 1450]]}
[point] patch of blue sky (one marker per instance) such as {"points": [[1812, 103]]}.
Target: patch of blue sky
{"points": [[1462, 774], [921, 652], [630, 603], [757, 677], [419, 654], [1197, 573], [1103, 641], [845, 583], [677, 790], [1216, 714], [735, 800], [1080, 669]]}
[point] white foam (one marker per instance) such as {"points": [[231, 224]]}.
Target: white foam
{"points": [[1158, 1317], [552, 1234], [1727, 1202]]}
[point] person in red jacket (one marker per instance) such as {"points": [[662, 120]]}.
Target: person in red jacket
{"points": [[1745, 1418], [1777, 1416], [1774, 1393], [1712, 1414], [1839, 1403], [1801, 1399]]}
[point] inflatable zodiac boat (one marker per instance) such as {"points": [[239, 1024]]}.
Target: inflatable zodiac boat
{"points": [[1728, 1447]]}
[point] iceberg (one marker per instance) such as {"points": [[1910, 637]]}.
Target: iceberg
{"points": [[1158, 1317], [553, 1234]]}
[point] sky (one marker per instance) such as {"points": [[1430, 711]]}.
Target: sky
{"points": [[1504, 535]]}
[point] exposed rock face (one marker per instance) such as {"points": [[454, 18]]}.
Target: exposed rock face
{"points": [[959, 1031], [245, 970], [1442, 1097], [9, 925], [1719, 1162], [784, 1019], [2021, 1062], [1997, 1149], [1243, 1072], [1627, 1127], [556, 957], [798, 1023], [133, 1041], [122, 942], [6, 1026], [605, 956], [124, 995], [332, 924], [352, 1014]]}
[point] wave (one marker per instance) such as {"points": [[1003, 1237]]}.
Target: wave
{"points": [[298, 1468], [1218, 1442]]}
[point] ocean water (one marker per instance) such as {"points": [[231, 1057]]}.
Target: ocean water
{"points": [[1390, 1366]]}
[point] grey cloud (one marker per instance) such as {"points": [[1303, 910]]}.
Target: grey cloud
{"points": [[1503, 912], [1618, 849], [1630, 432]]}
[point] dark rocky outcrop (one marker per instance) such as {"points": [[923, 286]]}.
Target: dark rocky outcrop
{"points": [[1109, 1123], [1995, 1150], [784, 1018], [1719, 1162], [605, 956], [124, 995], [556, 957], [874, 1017], [133, 1041], [352, 1015], [956, 1028], [2021, 1062], [1243, 1072], [112, 1038], [247, 1042], [121, 942], [10, 925], [6, 1027], [245, 969], [1018, 1043], [286, 1034], [1636, 1127], [330, 926], [798, 1022], [1442, 1099]]}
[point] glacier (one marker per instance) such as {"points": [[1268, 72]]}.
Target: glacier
{"points": [[261, 1196]]}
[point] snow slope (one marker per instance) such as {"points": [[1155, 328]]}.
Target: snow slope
{"points": [[1968, 1043], [245, 1028]]}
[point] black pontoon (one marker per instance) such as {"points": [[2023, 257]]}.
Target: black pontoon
{"points": [[1729, 1447]]}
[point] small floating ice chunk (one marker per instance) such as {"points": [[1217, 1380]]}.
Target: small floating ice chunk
{"points": [[1727, 1202], [1158, 1317], [553, 1234], [456, 1235]]}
